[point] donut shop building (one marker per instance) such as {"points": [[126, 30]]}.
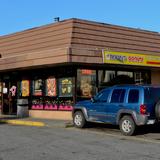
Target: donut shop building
{"points": [[56, 65]]}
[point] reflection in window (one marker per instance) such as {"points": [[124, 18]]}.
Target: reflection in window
{"points": [[129, 74], [105, 78], [142, 77]]}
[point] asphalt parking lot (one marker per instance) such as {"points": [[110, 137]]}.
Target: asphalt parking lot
{"points": [[150, 133], [62, 143]]}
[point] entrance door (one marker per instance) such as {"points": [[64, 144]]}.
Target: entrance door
{"points": [[9, 98]]}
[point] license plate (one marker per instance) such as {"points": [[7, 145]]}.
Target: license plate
{"points": [[150, 121]]}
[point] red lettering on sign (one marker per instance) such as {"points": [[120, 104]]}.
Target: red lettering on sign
{"points": [[135, 59]]}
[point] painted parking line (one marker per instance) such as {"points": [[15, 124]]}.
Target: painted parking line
{"points": [[25, 123]]}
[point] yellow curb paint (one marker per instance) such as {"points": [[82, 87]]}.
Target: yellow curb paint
{"points": [[26, 123]]}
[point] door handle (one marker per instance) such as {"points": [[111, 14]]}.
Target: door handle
{"points": [[92, 110]]}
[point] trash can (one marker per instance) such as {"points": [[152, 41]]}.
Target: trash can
{"points": [[22, 108]]}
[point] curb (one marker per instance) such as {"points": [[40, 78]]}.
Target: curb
{"points": [[25, 123]]}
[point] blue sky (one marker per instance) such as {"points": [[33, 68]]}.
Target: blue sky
{"points": [[18, 15]]}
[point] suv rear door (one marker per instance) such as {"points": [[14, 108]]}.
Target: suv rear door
{"points": [[134, 99]]}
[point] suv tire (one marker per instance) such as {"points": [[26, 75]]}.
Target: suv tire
{"points": [[79, 120], [157, 110], [127, 125]]}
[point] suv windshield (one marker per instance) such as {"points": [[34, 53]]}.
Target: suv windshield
{"points": [[151, 95]]}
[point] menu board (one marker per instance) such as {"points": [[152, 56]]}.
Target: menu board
{"points": [[25, 88], [37, 87], [51, 87], [65, 87]]}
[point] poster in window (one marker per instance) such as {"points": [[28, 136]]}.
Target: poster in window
{"points": [[25, 88], [86, 82], [37, 87], [66, 87], [86, 86], [51, 87]]}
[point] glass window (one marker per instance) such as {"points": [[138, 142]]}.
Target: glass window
{"points": [[102, 96], [105, 78], [118, 96], [133, 96], [25, 87], [51, 88], [129, 74], [142, 77], [37, 87], [124, 77], [86, 83], [66, 87]]}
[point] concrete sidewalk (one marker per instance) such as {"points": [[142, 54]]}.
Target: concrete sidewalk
{"points": [[14, 120]]}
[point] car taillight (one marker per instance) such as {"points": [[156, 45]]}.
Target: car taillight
{"points": [[143, 109]]}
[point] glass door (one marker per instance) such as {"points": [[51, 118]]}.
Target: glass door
{"points": [[9, 96]]}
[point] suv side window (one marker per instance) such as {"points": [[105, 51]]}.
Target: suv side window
{"points": [[133, 96], [118, 96], [102, 96]]}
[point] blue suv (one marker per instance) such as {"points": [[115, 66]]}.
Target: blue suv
{"points": [[128, 106]]}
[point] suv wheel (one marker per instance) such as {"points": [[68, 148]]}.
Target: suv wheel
{"points": [[79, 120], [127, 125]]}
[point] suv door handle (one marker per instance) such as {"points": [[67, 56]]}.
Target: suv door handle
{"points": [[92, 110]]}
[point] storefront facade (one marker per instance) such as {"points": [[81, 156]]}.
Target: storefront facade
{"points": [[55, 66]]}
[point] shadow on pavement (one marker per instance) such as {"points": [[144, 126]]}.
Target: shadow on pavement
{"points": [[149, 129], [142, 130], [103, 127]]}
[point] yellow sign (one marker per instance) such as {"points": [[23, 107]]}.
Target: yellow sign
{"points": [[131, 59]]}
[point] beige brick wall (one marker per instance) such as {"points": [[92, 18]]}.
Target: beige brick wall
{"points": [[59, 115]]}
